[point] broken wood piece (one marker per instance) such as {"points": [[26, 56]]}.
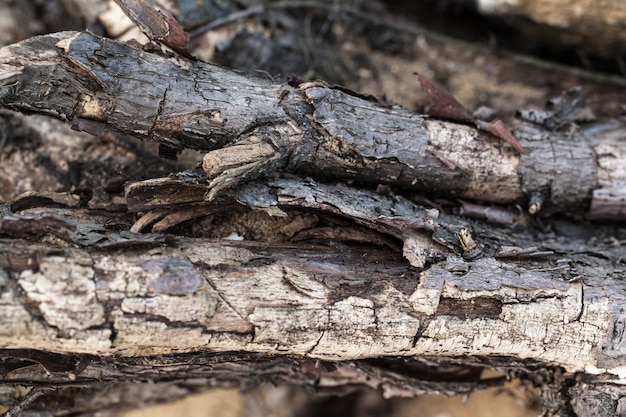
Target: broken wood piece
{"points": [[493, 214], [394, 216], [157, 25], [257, 154], [247, 151]]}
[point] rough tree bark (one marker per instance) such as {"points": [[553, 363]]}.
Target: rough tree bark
{"points": [[97, 303], [104, 86]]}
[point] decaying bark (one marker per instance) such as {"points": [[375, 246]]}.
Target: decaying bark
{"points": [[404, 299], [317, 302], [109, 314], [252, 127]]}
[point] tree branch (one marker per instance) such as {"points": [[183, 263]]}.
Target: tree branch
{"points": [[316, 303], [311, 128], [319, 316]]}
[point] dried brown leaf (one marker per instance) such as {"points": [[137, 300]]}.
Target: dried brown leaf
{"points": [[499, 130], [442, 104]]}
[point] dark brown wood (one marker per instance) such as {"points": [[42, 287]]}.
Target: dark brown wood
{"points": [[105, 86]]}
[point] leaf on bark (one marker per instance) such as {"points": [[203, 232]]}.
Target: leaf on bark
{"points": [[499, 130], [442, 104]]}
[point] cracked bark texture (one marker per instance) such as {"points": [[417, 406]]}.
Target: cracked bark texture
{"points": [[82, 312], [94, 304], [105, 86], [219, 297]]}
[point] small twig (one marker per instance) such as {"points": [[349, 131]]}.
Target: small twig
{"points": [[157, 25], [27, 400]]}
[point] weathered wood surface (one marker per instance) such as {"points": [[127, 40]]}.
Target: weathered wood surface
{"points": [[311, 128], [218, 296], [557, 306], [94, 302]]}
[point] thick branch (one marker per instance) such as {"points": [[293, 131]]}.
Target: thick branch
{"points": [[231, 313], [101, 85]]}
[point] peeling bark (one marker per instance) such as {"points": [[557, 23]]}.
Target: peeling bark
{"points": [[104, 86], [99, 309], [242, 297], [94, 304]]}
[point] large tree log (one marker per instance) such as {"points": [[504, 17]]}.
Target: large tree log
{"points": [[316, 302], [115, 315]]}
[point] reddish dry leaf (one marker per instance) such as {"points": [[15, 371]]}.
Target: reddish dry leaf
{"points": [[157, 25], [177, 39], [442, 104], [499, 130]]}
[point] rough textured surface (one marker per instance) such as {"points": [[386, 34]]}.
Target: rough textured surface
{"points": [[310, 128], [276, 301], [352, 259], [210, 299]]}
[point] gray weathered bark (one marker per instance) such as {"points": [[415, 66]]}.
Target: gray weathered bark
{"points": [[97, 304], [252, 126], [209, 303]]}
